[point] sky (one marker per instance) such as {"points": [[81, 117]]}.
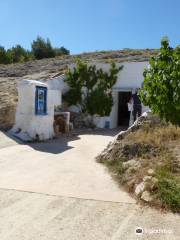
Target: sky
{"points": [[90, 25]]}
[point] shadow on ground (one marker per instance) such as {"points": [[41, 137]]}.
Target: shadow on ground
{"points": [[60, 144], [54, 146]]}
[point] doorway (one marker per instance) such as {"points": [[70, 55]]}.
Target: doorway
{"points": [[123, 113]]}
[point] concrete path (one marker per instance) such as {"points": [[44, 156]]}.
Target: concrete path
{"points": [[50, 184], [33, 216], [63, 167]]}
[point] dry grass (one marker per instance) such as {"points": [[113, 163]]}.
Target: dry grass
{"points": [[157, 136], [154, 147]]}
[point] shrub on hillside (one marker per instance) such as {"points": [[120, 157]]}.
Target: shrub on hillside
{"points": [[61, 51], [14, 55], [19, 54]]}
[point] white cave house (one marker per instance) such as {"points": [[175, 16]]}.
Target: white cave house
{"points": [[37, 102], [129, 79]]}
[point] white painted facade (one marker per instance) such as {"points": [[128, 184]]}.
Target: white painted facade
{"points": [[28, 125], [130, 78]]}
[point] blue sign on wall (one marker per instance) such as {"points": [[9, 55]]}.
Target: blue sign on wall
{"points": [[41, 101]]}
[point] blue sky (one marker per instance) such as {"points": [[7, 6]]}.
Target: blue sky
{"points": [[90, 25]]}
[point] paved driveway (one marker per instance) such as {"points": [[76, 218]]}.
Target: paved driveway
{"points": [[56, 190], [63, 167]]}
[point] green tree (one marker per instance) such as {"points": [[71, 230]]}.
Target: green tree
{"points": [[18, 54], [61, 51], [161, 88], [91, 88], [3, 58], [29, 56], [42, 49], [9, 56]]}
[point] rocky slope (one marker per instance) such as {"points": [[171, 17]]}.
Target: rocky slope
{"points": [[145, 160], [43, 69]]}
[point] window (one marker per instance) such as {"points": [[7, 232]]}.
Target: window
{"points": [[41, 101]]}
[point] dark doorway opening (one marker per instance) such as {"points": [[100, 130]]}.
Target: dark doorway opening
{"points": [[123, 113]]}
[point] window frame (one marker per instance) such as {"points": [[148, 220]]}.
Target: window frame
{"points": [[42, 101]]}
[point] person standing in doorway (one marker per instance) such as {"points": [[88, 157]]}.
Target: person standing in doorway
{"points": [[137, 108], [130, 110]]}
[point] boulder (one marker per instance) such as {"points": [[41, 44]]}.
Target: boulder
{"points": [[139, 188], [136, 125], [146, 196], [151, 172], [154, 182], [146, 117], [131, 163], [147, 178]]}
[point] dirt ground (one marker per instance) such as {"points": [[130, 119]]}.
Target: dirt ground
{"points": [[56, 190]]}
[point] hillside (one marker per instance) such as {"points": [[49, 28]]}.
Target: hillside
{"points": [[145, 160], [43, 69]]}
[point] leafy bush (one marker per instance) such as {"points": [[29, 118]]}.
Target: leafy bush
{"points": [[161, 89], [91, 88], [99, 102]]}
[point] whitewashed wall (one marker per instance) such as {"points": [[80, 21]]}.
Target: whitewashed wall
{"points": [[130, 78], [26, 120], [55, 87]]}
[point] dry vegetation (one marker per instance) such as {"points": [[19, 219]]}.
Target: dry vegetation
{"points": [[149, 156]]}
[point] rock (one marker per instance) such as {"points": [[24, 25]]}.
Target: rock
{"points": [[136, 125], [139, 188], [82, 120], [147, 178], [154, 182], [132, 150], [121, 135], [150, 183], [146, 196], [146, 117], [131, 163], [151, 172], [130, 183], [131, 170], [176, 164]]}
